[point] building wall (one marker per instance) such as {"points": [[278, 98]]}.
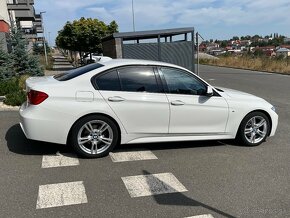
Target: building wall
{"points": [[4, 16], [4, 24], [112, 48]]}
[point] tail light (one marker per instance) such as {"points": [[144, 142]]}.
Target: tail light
{"points": [[36, 97]]}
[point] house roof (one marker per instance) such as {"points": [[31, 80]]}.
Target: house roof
{"points": [[283, 50]]}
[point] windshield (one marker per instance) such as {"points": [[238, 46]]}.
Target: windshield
{"points": [[77, 72]]}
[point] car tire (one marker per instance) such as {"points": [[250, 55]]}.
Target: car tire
{"points": [[94, 136], [254, 129]]}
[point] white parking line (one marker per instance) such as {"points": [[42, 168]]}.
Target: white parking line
{"points": [[61, 194], [201, 216], [132, 156], [153, 184], [59, 160]]}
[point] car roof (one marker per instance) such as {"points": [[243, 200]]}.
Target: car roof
{"points": [[123, 62]]}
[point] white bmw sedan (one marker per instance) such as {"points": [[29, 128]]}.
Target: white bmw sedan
{"points": [[95, 107]]}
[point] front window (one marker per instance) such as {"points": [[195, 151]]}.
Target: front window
{"points": [[182, 82]]}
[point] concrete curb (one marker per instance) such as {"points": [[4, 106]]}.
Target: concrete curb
{"points": [[4, 107]]}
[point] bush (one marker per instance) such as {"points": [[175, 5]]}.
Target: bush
{"points": [[9, 86], [15, 98]]}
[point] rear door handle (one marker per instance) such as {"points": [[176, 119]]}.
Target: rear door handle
{"points": [[116, 99], [177, 103]]}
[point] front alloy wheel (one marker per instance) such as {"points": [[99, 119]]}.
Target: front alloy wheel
{"points": [[254, 129], [94, 136]]}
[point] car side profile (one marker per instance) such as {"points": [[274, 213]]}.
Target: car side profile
{"points": [[122, 101]]}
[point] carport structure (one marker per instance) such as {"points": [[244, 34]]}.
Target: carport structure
{"points": [[174, 46]]}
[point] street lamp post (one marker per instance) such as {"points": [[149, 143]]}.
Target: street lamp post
{"points": [[44, 45], [133, 15], [49, 42], [197, 52]]}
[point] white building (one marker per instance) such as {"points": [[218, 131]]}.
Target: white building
{"points": [[4, 24], [283, 52]]}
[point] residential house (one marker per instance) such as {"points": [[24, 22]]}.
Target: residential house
{"points": [[267, 50], [285, 52], [21, 14]]}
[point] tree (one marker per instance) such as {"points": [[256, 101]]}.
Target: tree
{"points": [[236, 38], [18, 62], [23, 63], [85, 35], [256, 37], [38, 48], [5, 65], [224, 44]]}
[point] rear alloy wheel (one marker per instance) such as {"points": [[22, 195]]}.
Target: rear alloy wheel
{"points": [[94, 136], [254, 129]]}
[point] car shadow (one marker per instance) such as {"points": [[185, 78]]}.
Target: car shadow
{"points": [[178, 198], [174, 145], [19, 144]]}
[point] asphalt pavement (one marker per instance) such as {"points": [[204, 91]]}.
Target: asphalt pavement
{"points": [[182, 179]]}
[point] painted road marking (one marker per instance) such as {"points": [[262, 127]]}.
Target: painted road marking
{"points": [[59, 160], [61, 194], [153, 184], [201, 216], [132, 156]]}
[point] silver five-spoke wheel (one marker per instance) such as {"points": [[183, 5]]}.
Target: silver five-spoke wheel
{"points": [[94, 136], [254, 129]]}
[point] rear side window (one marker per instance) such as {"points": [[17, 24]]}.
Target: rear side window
{"points": [[138, 79], [77, 72], [109, 81]]}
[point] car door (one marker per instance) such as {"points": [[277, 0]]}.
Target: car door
{"points": [[136, 98], [191, 111]]}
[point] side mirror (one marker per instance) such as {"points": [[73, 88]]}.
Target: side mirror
{"points": [[209, 91]]}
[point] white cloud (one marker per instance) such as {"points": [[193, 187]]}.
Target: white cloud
{"points": [[227, 15], [101, 13]]}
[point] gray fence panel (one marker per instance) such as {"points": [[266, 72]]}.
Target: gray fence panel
{"points": [[179, 53], [146, 51]]}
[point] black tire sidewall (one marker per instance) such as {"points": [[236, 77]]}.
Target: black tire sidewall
{"points": [[80, 123], [242, 138]]}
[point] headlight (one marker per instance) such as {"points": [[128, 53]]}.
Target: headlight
{"points": [[274, 109]]}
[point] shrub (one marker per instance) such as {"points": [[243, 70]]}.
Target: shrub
{"points": [[15, 98], [8, 86]]}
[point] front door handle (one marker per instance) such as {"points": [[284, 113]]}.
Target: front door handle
{"points": [[177, 103], [116, 99]]}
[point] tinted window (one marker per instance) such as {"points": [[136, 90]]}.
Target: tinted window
{"points": [[109, 81], [181, 82], [138, 79], [77, 72]]}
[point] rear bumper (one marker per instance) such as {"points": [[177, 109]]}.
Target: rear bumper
{"points": [[38, 125]]}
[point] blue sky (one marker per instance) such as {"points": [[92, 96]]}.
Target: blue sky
{"points": [[214, 19]]}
